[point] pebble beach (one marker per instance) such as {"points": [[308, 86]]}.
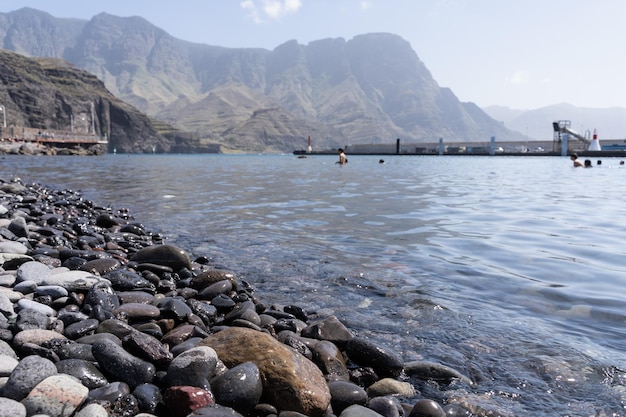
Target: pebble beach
{"points": [[101, 317]]}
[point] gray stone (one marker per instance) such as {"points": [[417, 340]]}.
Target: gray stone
{"points": [[7, 280], [92, 410], [6, 306], [390, 386], [73, 280], [36, 337], [11, 408], [358, 411], [25, 287], [6, 349], [10, 246], [31, 319], [7, 364], [58, 395], [25, 304], [26, 375], [33, 271]]}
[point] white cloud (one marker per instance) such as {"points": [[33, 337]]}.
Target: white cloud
{"points": [[519, 77], [263, 10], [366, 5]]}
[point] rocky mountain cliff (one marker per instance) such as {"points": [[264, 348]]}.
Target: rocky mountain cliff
{"points": [[51, 96], [370, 89]]}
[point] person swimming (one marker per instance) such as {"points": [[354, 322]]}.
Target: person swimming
{"points": [[576, 161], [342, 157]]}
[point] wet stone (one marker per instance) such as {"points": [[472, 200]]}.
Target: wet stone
{"points": [[175, 308], [138, 311], [124, 280], [344, 394], [149, 398], [75, 351], [148, 348], [111, 392], [180, 401], [70, 317], [166, 255], [85, 371], [386, 406], [81, 328], [211, 291], [54, 291], [115, 361], [179, 334], [384, 361], [194, 367], [427, 408], [103, 295], [135, 297], [239, 388], [223, 302], [101, 266]]}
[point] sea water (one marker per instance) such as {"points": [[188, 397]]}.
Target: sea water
{"points": [[511, 270]]}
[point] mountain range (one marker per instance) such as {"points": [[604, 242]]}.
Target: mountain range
{"points": [[369, 89], [609, 123], [372, 88]]}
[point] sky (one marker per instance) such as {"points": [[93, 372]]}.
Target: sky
{"points": [[522, 54]]}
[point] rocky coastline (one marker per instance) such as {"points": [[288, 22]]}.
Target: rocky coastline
{"points": [[103, 318], [19, 147]]}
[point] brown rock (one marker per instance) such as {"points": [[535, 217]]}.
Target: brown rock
{"points": [[182, 400], [290, 381]]}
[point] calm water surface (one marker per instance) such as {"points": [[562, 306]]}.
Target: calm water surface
{"points": [[509, 269]]}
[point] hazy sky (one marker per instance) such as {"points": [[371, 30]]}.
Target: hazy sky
{"points": [[523, 54]]}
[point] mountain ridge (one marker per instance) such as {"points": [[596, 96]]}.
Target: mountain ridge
{"points": [[372, 88], [609, 122]]}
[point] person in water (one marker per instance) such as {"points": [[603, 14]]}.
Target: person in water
{"points": [[342, 157], [576, 161], [588, 163]]}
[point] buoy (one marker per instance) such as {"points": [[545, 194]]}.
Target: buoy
{"points": [[595, 143]]}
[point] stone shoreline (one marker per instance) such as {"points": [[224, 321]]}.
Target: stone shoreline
{"points": [[100, 317], [18, 147]]}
